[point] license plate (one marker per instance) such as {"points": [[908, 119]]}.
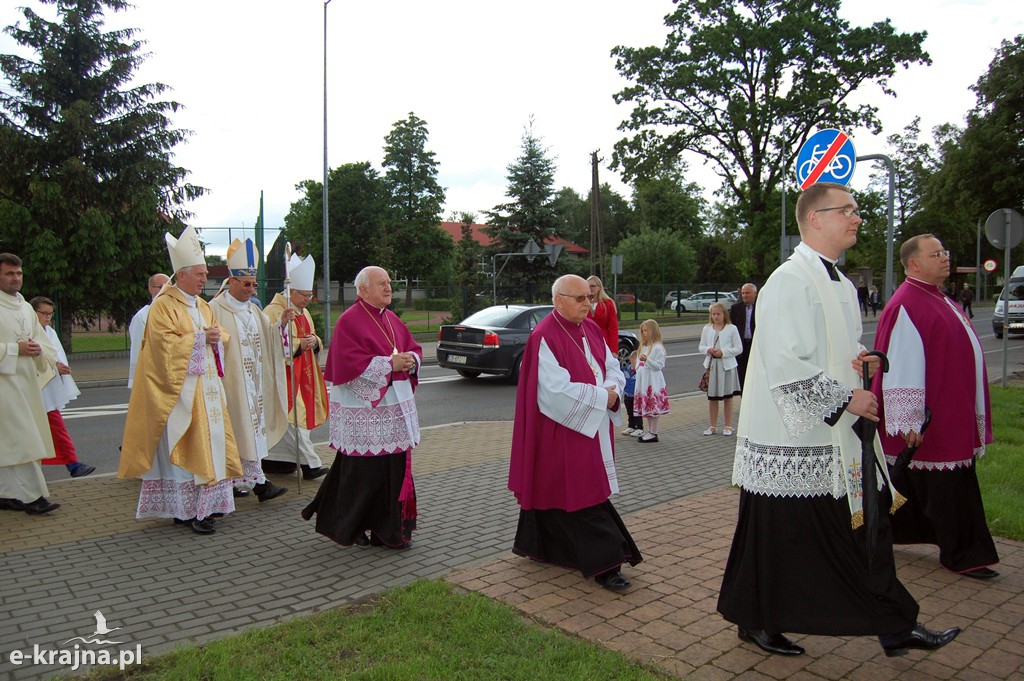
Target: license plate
{"points": [[1019, 325], [456, 359]]}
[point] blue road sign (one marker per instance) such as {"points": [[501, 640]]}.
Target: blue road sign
{"points": [[827, 156]]}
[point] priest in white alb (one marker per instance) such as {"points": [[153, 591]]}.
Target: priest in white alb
{"points": [[178, 436], [254, 379], [563, 458]]}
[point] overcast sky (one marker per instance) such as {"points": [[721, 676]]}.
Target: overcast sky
{"points": [[251, 78]]}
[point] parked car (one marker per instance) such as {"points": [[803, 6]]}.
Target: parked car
{"points": [[1010, 306], [624, 299], [702, 301], [672, 296], [492, 340]]}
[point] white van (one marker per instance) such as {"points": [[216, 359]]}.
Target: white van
{"points": [[1010, 306]]}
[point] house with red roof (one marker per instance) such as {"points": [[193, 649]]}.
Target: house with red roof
{"points": [[454, 230]]}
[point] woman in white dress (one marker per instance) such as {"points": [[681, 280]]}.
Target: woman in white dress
{"points": [[651, 397], [720, 344]]}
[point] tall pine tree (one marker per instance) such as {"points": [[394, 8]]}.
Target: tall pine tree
{"points": [[87, 185]]}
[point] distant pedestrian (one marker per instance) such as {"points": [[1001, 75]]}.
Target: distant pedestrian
{"points": [[720, 344], [741, 314], [137, 326], [651, 399], [966, 299], [635, 424], [862, 297], [874, 300], [60, 390]]}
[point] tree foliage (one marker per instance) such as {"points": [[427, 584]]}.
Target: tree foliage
{"points": [[414, 235], [656, 256], [738, 82], [466, 279], [358, 203], [530, 213], [87, 182], [665, 200]]}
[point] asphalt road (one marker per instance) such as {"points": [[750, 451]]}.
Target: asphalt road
{"points": [[96, 419]]}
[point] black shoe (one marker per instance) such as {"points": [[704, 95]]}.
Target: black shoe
{"points": [[204, 526], [361, 540], [82, 470], [776, 644], [981, 573], [12, 505], [265, 491], [235, 492], [613, 581], [313, 473], [919, 637], [647, 437], [40, 507]]}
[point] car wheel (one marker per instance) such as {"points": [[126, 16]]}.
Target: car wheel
{"points": [[999, 335], [513, 378], [467, 374]]}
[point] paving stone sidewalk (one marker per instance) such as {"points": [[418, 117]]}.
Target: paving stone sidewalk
{"points": [[165, 586]]}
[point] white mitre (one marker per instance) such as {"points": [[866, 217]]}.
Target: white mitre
{"points": [[243, 258], [185, 251], [301, 272]]}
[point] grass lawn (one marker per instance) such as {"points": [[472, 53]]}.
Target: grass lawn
{"points": [[1001, 470], [422, 631]]}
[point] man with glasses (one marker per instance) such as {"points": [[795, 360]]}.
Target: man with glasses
{"points": [[302, 360], [254, 377], [800, 557], [26, 359], [937, 366], [562, 469]]}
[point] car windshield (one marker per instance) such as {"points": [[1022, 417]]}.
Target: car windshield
{"points": [[492, 316], [1015, 291]]}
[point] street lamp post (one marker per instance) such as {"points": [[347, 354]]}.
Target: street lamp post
{"points": [[327, 262], [785, 174]]}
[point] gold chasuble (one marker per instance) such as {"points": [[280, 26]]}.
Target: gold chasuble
{"points": [[167, 358], [312, 402]]}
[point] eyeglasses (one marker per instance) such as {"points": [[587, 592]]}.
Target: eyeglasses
{"points": [[938, 255], [579, 299], [847, 211], [305, 294], [44, 314]]}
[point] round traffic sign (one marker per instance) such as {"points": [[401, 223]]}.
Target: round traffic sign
{"points": [[1005, 228], [990, 265], [826, 156]]}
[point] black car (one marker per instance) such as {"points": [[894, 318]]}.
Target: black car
{"points": [[492, 340]]}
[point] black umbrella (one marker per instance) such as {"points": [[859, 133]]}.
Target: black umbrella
{"points": [[902, 462], [865, 430]]}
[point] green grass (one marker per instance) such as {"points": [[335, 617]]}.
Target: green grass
{"points": [[1001, 470], [423, 631]]}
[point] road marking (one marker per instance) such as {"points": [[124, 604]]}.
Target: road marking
{"points": [[89, 412]]}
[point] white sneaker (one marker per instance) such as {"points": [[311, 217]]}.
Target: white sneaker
{"points": [[628, 431]]}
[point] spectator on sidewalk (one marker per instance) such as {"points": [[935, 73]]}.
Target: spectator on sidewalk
{"points": [[741, 314], [254, 382], [137, 326], [26, 361], [60, 390], [967, 299], [720, 344], [562, 469], [373, 367], [651, 400], [874, 300], [604, 313], [799, 560], [178, 435], [303, 360], [635, 424]]}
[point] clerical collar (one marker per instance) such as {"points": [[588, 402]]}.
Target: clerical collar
{"points": [[234, 303], [565, 319], [190, 299], [378, 310], [923, 283]]}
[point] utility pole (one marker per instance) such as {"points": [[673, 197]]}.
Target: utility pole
{"points": [[596, 238]]}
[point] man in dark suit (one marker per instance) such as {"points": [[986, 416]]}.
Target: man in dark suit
{"points": [[741, 314]]}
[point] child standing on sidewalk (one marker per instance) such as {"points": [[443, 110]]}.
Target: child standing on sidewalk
{"points": [[720, 344], [651, 398], [635, 424]]}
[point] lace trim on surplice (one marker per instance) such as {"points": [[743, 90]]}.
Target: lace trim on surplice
{"points": [[371, 431], [367, 386], [904, 410], [783, 471], [184, 500], [806, 403]]}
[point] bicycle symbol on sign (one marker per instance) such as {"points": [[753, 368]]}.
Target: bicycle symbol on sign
{"points": [[839, 168]]}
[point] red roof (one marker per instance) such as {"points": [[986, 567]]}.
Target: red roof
{"points": [[454, 230]]}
